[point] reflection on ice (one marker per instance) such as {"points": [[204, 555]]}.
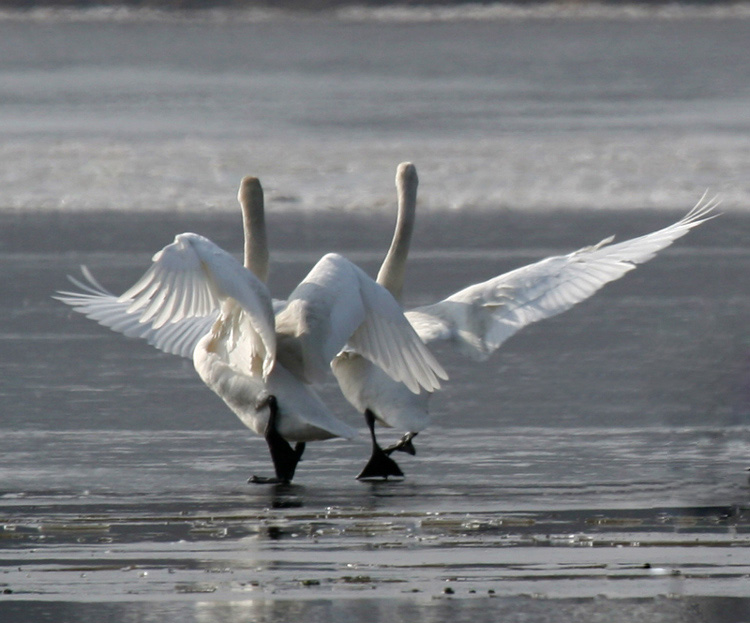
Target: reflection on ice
{"points": [[233, 554], [472, 469], [602, 454], [588, 515]]}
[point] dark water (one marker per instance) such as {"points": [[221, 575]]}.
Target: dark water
{"points": [[595, 466]]}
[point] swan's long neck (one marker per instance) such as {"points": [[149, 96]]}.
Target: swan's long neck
{"points": [[393, 269], [250, 197]]}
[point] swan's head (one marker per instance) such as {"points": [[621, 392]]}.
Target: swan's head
{"points": [[406, 175], [251, 192]]}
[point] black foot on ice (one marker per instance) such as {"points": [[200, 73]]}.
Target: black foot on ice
{"points": [[380, 467], [265, 480], [284, 466], [404, 445], [284, 457]]}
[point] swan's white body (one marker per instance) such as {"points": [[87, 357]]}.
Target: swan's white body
{"points": [[335, 304], [366, 388], [479, 318], [197, 301], [361, 383]]}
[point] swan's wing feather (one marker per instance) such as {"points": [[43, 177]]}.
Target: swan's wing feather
{"points": [[96, 302], [338, 304], [481, 317], [233, 280], [191, 278], [178, 274], [642, 249]]}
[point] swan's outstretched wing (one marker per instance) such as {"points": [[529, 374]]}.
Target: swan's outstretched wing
{"points": [[338, 304], [481, 317], [179, 296], [96, 302]]}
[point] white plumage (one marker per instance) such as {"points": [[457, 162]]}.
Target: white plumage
{"points": [[197, 301], [479, 318]]}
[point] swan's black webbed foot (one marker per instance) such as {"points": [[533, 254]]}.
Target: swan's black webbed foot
{"points": [[380, 465], [265, 480], [284, 457], [404, 445]]}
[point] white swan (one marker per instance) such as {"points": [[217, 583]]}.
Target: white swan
{"points": [[197, 301], [479, 318]]}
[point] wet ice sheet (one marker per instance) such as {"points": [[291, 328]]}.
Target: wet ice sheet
{"points": [[167, 515], [602, 452], [471, 470]]}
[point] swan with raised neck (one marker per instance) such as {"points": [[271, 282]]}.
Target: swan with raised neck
{"points": [[393, 270], [250, 196]]}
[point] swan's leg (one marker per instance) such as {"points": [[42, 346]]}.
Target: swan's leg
{"points": [[284, 457], [404, 445], [380, 464]]}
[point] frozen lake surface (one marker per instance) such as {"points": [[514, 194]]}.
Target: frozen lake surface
{"points": [[594, 468], [599, 456]]}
